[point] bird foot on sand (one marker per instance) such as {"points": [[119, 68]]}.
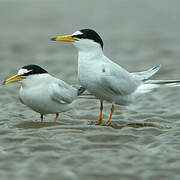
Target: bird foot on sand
{"points": [[102, 122], [106, 123]]}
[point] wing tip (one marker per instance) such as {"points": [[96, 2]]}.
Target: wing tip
{"points": [[157, 67]]}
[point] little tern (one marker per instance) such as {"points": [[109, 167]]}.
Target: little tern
{"points": [[106, 79], [44, 93]]}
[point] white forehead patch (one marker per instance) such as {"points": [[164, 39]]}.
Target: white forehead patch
{"points": [[23, 71], [77, 33]]}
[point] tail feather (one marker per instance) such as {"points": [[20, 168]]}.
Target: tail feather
{"points": [[145, 75], [150, 85], [164, 82]]}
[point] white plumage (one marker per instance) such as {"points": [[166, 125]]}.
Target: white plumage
{"points": [[44, 93], [106, 79]]}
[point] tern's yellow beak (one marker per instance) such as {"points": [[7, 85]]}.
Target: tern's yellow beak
{"points": [[13, 79], [67, 38]]}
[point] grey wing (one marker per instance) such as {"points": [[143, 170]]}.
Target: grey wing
{"points": [[117, 80], [62, 93]]}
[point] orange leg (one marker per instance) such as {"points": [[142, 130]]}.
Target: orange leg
{"points": [[55, 119], [109, 120], [100, 114], [41, 118]]}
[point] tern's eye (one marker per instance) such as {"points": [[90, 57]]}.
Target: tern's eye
{"points": [[77, 36]]}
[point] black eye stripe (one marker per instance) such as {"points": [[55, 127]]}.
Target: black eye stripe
{"points": [[80, 36]]}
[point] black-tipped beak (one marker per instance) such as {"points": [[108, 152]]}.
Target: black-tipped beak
{"points": [[4, 82], [53, 39]]}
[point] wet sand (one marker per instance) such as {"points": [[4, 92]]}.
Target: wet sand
{"points": [[143, 141]]}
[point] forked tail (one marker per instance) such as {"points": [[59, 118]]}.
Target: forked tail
{"points": [[150, 85], [164, 82]]}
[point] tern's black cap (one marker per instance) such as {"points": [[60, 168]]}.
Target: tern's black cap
{"points": [[89, 34], [33, 69]]}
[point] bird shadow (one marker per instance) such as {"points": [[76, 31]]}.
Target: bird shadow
{"points": [[114, 124], [36, 125], [123, 124]]}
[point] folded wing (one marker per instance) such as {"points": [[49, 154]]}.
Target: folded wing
{"points": [[62, 92], [118, 80]]}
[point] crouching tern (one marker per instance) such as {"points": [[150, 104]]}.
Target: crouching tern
{"points": [[44, 93], [106, 79]]}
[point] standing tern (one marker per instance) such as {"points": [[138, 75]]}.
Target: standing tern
{"points": [[106, 79], [44, 93]]}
